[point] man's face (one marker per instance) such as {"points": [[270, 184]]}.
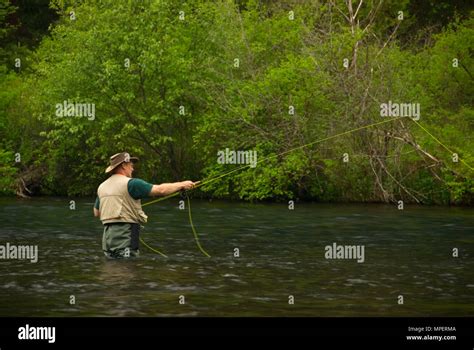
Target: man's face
{"points": [[128, 167]]}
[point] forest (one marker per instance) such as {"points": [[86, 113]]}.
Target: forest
{"points": [[177, 83]]}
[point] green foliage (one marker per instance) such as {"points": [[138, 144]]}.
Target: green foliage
{"points": [[7, 173], [240, 69]]}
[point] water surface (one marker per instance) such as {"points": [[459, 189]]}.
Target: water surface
{"points": [[282, 253]]}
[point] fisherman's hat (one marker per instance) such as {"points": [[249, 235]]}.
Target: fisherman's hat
{"points": [[118, 159]]}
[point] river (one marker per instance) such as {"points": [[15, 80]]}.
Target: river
{"points": [[281, 268]]}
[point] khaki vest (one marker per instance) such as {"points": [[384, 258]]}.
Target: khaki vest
{"points": [[116, 204]]}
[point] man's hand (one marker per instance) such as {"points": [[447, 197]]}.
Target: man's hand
{"points": [[188, 185]]}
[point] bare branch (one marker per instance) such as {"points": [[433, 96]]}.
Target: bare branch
{"points": [[396, 181], [358, 8], [385, 194], [388, 40], [340, 11]]}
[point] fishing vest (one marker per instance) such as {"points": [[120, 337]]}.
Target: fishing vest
{"points": [[116, 204]]}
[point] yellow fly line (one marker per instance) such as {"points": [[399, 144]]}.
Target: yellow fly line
{"points": [[438, 141], [204, 182]]}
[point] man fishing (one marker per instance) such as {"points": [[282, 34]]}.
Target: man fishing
{"points": [[118, 205]]}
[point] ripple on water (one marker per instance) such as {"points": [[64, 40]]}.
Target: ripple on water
{"points": [[434, 288], [11, 285], [39, 273], [264, 299], [175, 287], [357, 280], [238, 281], [215, 210], [152, 284], [217, 287], [238, 217]]}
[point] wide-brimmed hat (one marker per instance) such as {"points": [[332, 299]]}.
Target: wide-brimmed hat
{"points": [[118, 159]]}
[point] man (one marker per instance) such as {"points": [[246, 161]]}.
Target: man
{"points": [[118, 205]]}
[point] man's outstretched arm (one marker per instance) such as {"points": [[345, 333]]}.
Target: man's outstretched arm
{"points": [[169, 188]]}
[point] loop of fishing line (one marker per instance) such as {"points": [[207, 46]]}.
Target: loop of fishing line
{"points": [[219, 176]]}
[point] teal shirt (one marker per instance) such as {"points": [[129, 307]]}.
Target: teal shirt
{"points": [[137, 188]]}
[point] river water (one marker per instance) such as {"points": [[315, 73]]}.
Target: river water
{"points": [[407, 253]]}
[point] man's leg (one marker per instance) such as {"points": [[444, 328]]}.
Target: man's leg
{"points": [[117, 241]]}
